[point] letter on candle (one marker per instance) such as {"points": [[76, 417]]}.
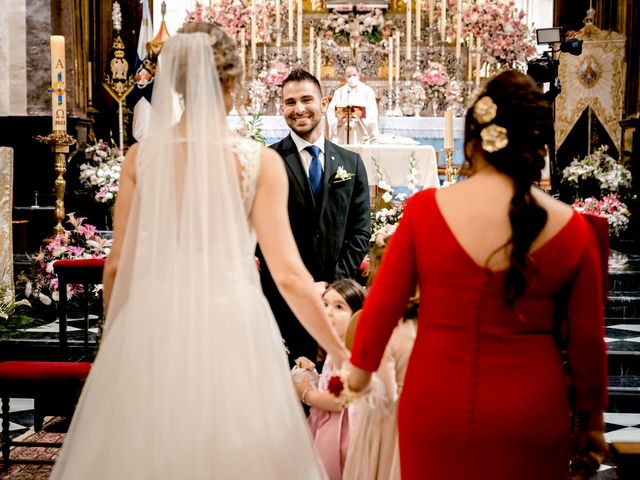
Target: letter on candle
{"points": [[448, 128], [58, 86]]}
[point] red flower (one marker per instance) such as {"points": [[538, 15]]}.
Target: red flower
{"points": [[335, 386]]}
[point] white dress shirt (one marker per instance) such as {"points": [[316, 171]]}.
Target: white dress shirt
{"points": [[305, 156]]}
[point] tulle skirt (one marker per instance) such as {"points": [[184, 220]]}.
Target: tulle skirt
{"points": [[195, 388]]}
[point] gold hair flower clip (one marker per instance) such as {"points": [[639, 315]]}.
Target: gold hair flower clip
{"points": [[484, 110], [494, 138]]}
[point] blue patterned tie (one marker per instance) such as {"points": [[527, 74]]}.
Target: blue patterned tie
{"points": [[315, 171]]}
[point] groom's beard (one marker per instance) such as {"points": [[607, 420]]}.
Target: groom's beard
{"points": [[303, 124]]}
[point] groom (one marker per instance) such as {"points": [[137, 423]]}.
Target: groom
{"points": [[328, 203]]}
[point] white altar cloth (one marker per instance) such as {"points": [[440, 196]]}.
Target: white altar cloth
{"points": [[394, 161]]}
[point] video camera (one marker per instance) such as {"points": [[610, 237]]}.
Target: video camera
{"points": [[544, 69]]}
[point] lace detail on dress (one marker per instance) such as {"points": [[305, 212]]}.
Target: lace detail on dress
{"points": [[248, 153]]}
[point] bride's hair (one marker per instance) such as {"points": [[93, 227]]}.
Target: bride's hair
{"points": [[225, 51]]}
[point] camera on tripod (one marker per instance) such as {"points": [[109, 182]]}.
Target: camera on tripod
{"points": [[544, 69]]}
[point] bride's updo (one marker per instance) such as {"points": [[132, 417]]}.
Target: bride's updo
{"points": [[225, 51]]}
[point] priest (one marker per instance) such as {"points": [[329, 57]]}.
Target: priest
{"points": [[353, 111]]}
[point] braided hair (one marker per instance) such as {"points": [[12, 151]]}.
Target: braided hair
{"points": [[522, 118]]}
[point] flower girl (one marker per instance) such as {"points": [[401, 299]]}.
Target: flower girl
{"points": [[328, 418]]}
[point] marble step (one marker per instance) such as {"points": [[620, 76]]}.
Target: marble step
{"points": [[623, 305], [624, 393]]}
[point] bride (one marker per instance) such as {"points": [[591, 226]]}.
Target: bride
{"points": [[192, 380]]}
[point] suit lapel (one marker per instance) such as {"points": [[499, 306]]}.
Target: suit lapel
{"points": [[330, 167], [294, 164]]}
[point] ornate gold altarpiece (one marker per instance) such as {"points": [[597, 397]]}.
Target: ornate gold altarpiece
{"points": [[7, 292], [593, 80]]}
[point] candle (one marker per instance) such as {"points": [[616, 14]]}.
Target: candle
{"points": [[299, 14], [311, 49], [243, 48], [58, 87], [470, 59], [418, 20], [431, 12], [89, 82], [408, 35], [319, 58], [290, 9], [397, 65], [443, 21], [254, 32], [265, 18], [278, 23], [459, 31], [478, 61], [390, 66], [448, 128]]}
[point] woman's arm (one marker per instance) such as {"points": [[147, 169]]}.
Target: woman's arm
{"points": [[126, 191], [271, 221], [313, 397]]}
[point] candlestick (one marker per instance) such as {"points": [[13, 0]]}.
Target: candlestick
{"points": [[58, 86], [448, 128], [459, 31], [89, 83], [290, 10], [443, 21], [449, 171], [299, 33], [319, 59], [311, 48], [418, 21], [408, 35]]}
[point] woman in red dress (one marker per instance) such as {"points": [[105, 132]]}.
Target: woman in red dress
{"points": [[486, 394]]}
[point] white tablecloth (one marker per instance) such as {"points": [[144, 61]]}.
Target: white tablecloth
{"points": [[394, 160]]}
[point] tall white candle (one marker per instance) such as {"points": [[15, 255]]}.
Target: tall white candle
{"points": [[311, 49], [431, 12], [254, 32], [459, 31], [470, 59], [58, 85], [243, 48], [418, 20], [448, 128], [397, 65], [443, 21], [478, 62], [319, 58], [290, 9], [299, 25], [278, 22], [408, 35], [390, 63]]}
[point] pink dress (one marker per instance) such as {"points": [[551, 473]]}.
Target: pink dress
{"points": [[330, 430]]}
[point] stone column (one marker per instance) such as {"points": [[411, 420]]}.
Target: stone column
{"points": [[7, 292], [13, 58]]}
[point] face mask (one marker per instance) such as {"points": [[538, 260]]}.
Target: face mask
{"points": [[352, 81]]}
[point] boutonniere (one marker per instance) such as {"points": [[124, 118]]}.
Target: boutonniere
{"points": [[341, 175]]}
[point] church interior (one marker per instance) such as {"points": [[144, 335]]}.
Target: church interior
{"points": [[77, 92]]}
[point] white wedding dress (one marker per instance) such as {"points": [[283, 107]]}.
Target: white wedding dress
{"points": [[191, 380]]}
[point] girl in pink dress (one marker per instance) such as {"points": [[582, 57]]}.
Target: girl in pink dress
{"points": [[328, 419]]}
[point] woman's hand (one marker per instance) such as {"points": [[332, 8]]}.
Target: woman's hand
{"points": [[358, 379], [301, 385], [590, 450]]}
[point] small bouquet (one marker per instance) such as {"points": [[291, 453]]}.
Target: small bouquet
{"points": [[435, 79], [374, 395], [610, 207], [338, 386], [305, 368], [101, 173]]}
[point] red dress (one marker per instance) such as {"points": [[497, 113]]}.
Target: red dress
{"points": [[485, 394]]}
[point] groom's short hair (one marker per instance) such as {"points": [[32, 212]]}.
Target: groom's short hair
{"points": [[300, 75]]}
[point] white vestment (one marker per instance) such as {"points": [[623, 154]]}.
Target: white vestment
{"points": [[361, 96]]}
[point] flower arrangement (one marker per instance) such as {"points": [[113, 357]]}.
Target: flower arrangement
{"points": [[346, 24], [234, 16], [596, 174], [500, 26], [435, 79], [273, 78], [101, 173], [610, 207], [80, 242]]}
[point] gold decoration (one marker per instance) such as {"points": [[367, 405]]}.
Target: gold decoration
{"points": [[118, 82], [485, 110], [494, 138], [592, 80]]}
